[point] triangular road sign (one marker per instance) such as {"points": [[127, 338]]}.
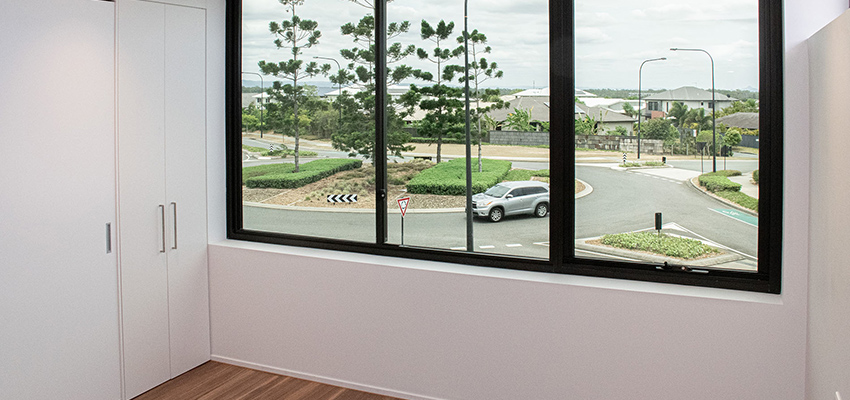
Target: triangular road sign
{"points": [[402, 205]]}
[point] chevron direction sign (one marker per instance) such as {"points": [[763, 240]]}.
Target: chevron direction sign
{"points": [[342, 198]]}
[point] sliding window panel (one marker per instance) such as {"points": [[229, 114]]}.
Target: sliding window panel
{"points": [[308, 130], [667, 133], [507, 124]]}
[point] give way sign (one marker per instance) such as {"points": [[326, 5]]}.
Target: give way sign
{"points": [[402, 205]]}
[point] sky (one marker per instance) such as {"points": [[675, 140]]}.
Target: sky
{"points": [[613, 38]]}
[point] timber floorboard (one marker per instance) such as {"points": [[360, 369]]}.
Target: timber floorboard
{"points": [[217, 381]]}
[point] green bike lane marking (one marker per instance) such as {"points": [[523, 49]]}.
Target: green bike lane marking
{"points": [[740, 216]]}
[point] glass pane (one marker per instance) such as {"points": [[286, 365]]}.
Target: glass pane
{"points": [[509, 122], [659, 176], [307, 123]]}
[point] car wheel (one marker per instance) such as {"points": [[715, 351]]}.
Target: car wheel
{"points": [[496, 214], [541, 210]]}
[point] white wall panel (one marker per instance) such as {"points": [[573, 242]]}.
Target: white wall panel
{"points": [[829, 276], [445, 331], [58, 285]]}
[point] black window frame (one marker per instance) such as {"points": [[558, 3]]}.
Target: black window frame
{"points": [[562, 259]]}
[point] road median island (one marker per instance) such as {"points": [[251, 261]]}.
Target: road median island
{"points": [[655, 252], [718, 186]]}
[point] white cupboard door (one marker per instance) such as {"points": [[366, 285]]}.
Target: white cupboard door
{"points": [[185, 133], [58, 292], [142, 206]]}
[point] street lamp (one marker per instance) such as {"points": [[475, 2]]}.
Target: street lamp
{"points": [[469, 244], [262, 106], [640, 77], [338, 69], [713, 109]]}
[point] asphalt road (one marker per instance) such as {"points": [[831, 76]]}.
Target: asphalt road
{"points": [[621, 201]]}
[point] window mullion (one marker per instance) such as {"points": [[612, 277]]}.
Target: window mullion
{"points": [[381, 121]]}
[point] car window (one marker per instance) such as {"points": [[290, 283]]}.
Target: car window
{"points": [[519, 192], [496, 191]]}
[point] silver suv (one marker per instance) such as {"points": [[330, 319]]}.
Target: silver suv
{"points": [[510, 198]]}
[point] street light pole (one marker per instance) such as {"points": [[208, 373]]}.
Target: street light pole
{"points": [[262, 106], [469, 242], [640, 78], [713, 110], [339, 83]]}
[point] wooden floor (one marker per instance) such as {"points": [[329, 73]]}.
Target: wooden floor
{"points": [[217, 381]]}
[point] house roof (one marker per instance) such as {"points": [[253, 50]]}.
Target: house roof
{"points": [[539, 106], [746, 120], [602, 114], [689, 93]]}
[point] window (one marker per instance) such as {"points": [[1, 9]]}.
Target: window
{"points": [[359, 143]]}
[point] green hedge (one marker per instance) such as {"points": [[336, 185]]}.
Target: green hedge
{"points": [[449, 178], [525, 174], [672, 246], [281, 176], [719, 181], [756, 176], [741, 199], [718, 184]]}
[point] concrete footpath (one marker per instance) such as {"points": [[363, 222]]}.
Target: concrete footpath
{"points": [[747, 186]]}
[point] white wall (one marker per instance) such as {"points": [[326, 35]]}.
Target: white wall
{"points": [[431, 330], [829, 276], [58, 285]]}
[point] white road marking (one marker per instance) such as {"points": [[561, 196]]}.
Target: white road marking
{"points": [[487, 247], [546, 243], [513, 245], [457, 248]]}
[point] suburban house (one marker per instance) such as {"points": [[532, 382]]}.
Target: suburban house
{"points": [[607, 119], [400, 327], [689, 96], [537, 104]]}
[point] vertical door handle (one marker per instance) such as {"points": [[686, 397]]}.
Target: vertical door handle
{"points": [[162, 213], [174, 207], [108, 238]]}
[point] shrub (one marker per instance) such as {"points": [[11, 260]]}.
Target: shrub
{"points": [[525, 174], [671, 246], [449, 178], [716, 183], [281, 176], [741, 199], [719, 181], [756, 176]]}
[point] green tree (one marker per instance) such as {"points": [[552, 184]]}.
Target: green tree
{"points": [[356, 133], [749, 105], [696, 118], [678, 112], [439, 101], [519, 120], [295, 35], [480, 71], [659, 128], [586, 126], [622, 131], [629, 110]]}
